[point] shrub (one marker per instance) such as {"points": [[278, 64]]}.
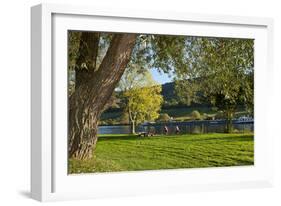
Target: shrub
{"points": [[163, 117], [111, 122], [195, 115], [102, 122]]}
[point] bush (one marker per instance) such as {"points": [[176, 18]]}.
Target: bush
{"points": [[195, 115], [102, 122], [163, 117], [111, 122]]}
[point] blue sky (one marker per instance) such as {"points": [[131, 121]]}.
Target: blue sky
{"points": [[160, 77]]}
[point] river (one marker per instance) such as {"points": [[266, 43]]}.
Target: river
{"points": [[205, 126]]}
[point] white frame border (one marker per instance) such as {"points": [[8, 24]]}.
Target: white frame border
{"points": [[42, 85]]}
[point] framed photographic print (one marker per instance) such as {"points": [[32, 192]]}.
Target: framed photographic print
{"points": [[138, 102]]}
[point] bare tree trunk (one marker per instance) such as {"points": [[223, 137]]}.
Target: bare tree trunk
{"points": [[92, 93], [132, 121], [229, 117], [133, 127]]}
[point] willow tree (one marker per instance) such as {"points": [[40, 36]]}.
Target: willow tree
{"points": [[96, 62], [94, 86], [219, 71]]}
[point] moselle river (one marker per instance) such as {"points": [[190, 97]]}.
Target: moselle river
{"points": [[185, 127]]}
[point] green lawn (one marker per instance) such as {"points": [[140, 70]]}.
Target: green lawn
{"points": [[131, 153]]}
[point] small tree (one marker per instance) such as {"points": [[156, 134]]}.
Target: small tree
{"points": [[143, 104]]}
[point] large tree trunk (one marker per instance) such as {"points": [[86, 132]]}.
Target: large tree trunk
{"points": [[94, 88], [86, 61]]}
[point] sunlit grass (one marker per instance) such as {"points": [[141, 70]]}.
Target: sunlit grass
{"points": [[131, 153]]}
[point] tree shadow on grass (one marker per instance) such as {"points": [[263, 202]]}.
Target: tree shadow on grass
{"points": [[119, 137], [227, 139]]}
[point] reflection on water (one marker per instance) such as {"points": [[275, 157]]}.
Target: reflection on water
{"points": [[185, 127], [118, 129]]}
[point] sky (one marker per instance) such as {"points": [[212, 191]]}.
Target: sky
{"points": [[160, 77]]}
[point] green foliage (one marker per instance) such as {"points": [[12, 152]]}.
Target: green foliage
{"points": [[74, 41], [131, 153], [141, 96], [73, 48], [110, 122], [195, 115], [169, 95], [144, 103], [168, 52], [212, 70], [133, 78], [178, 113], [163, 117], [141, 57], [219, 71]]}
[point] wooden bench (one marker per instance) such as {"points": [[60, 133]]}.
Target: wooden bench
{"points": [[142, 134], [145, 134]]}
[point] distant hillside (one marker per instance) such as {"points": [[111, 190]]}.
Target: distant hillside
{"points": [[172, 99], [169, 95]]}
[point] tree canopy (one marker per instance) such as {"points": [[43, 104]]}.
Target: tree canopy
{"points": [[219, 71], [142, 96], [144, 104]]}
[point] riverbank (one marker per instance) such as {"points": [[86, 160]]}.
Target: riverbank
{"points": [[186, 127], [132, 153], [176, 113]]}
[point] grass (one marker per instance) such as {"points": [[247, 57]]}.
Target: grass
{"points": [[186, 111], [132, 153]]}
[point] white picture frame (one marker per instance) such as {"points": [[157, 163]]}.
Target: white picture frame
{"points": [[49, 179]]}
